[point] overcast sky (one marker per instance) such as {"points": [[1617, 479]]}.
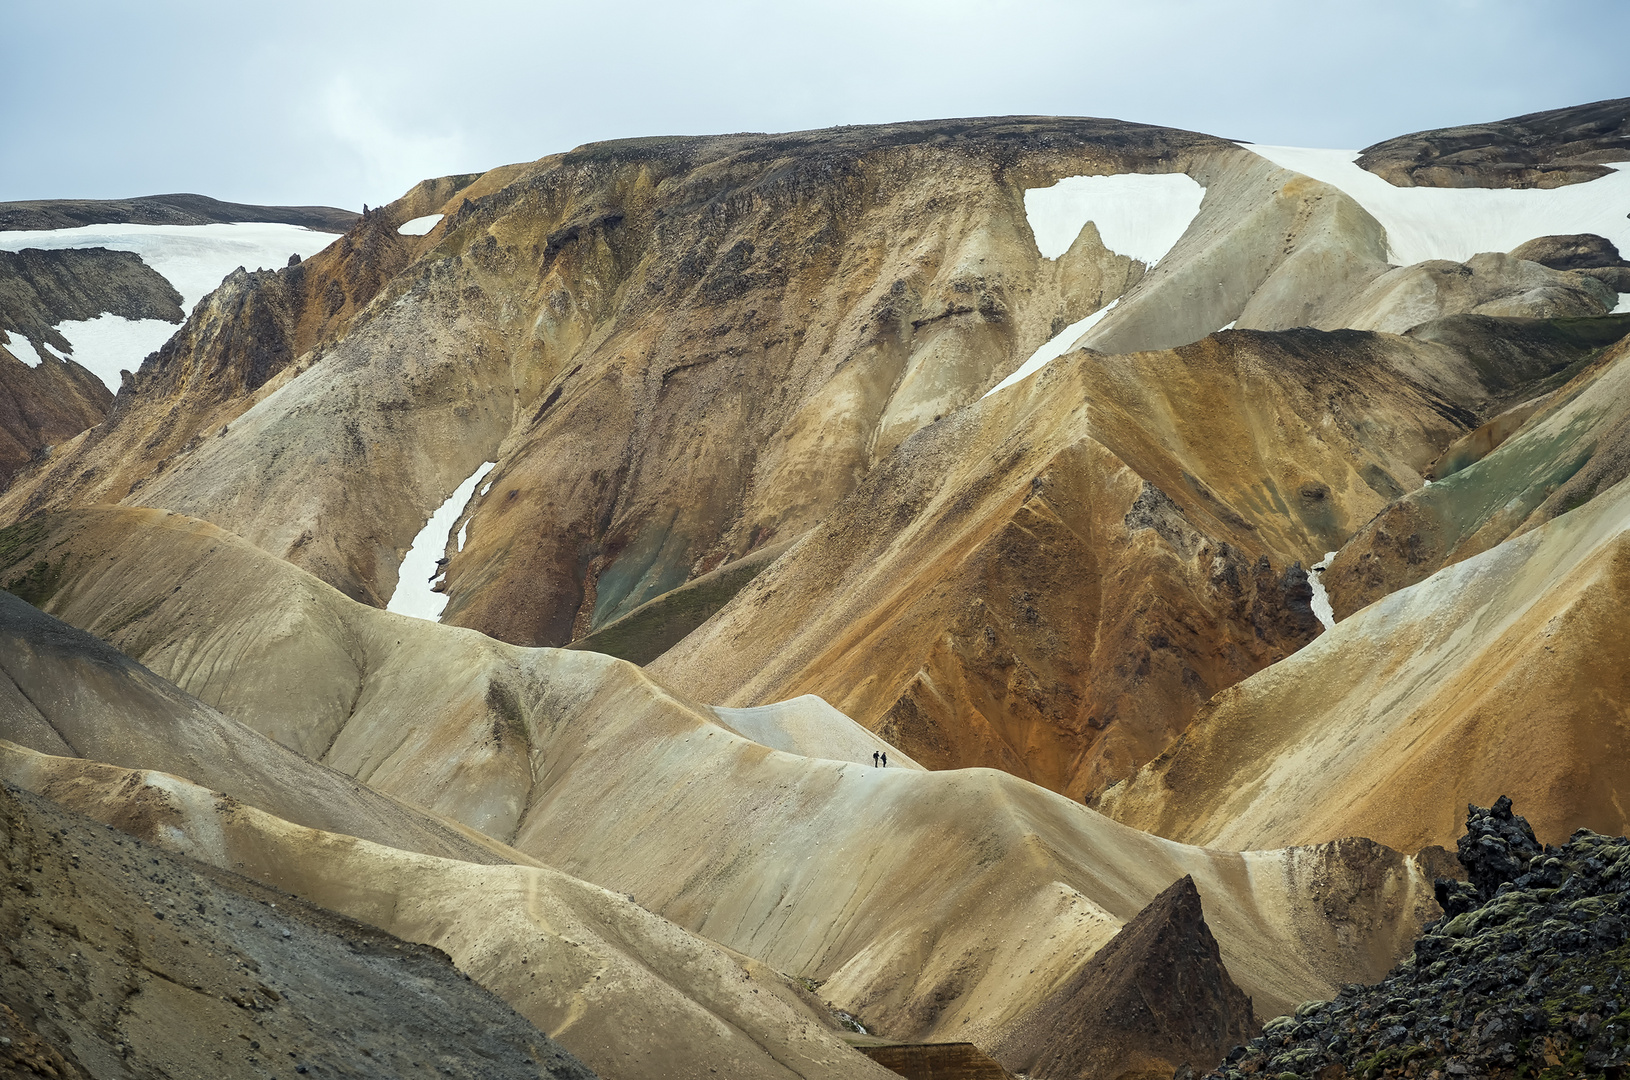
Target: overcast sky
{"points": [[326, 101]]}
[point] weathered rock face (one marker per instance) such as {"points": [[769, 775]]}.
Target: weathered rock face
{"points": [[1541, 459], [127, 961], [1528, 979], [1539, 150], [1580, 251], [1155, 998], [163, 210], [1498, 673], [1053, 582]]}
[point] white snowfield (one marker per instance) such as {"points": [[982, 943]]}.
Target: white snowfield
{"points": [[1055, 348], [1139, 215], [1457, 223], [419, 226], [193, 258], [413, 594], [810, 727]]}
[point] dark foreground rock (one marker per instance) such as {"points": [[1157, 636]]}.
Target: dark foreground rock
{"points": [[120, 960], [1153, 999], [1524, 975]]}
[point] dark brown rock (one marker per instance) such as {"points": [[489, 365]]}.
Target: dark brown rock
{"points": [[937, 1061], [1576, 251], [1155, 998], [1539, 150]]}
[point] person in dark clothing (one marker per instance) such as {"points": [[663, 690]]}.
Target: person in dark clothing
{"points": [[874, 759], [885, 759]]}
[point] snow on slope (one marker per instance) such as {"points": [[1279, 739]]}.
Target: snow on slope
{"points": [[1055, 348], [193, 258], [1138, 215], [109, 344], [413, 595], [1457, 223], [419, 226], [1321, 599]]}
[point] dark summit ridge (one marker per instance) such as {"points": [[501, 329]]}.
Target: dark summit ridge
{"points": [[1154, 998], [1539, 150], [1524, 975], [179, 209]]}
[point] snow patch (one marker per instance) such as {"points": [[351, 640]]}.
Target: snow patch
{"points": [[1138, 215], [419, 570], [1321, 599], [22, 349], [419, 226], [1624, 305], [1457, 223], [109, 344], [1055, 348], [193, 258], [1230, 326]]}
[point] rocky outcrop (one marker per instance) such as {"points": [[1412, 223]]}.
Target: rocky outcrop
{"points": [[39, 289], [1538, 150], [163, 210], [1156, 998], [1523, 975], [122, 960], [1486, 284]]}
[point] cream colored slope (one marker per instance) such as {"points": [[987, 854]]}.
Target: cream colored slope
{"points": [[808, 726], [625, 990], [1502, 674], [920, 896], [62, 691]]}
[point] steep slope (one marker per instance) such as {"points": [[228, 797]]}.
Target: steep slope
{"points": [[130, 962], [1537, 460], [1497, 674], [623, 989], [1053, 581], [43, 402], [914, 895], [1156, 998]]}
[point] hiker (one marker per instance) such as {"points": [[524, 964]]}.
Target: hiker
{"points": [[885, 759], [874, 759]]}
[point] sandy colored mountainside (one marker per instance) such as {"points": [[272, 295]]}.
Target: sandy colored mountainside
{"points": [[127, 961], [1500, 673], [163, 210], [1052, 581], [820, 868], [1543, 150], [683, 351]]}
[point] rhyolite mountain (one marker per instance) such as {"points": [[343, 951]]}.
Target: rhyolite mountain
{"points": [[1197, 527]]}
